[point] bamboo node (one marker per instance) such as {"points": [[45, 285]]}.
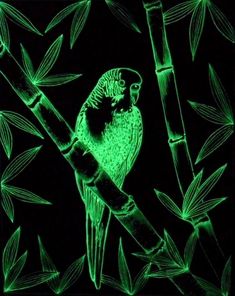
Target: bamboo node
{"points": [[176, 140], [151, 4], [127, 208], [163, 69], [67, 149], [35, 100]]}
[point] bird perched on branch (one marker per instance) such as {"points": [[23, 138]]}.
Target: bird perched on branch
{"points": [[110, 126]]}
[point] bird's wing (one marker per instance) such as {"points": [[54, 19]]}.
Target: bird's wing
{"points": [[97, 225]]}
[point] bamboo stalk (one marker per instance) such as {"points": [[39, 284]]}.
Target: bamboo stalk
{"points": [[164, 70], [174, 121], [84, 164]]}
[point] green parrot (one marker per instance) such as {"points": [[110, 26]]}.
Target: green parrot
{"points": [[110, 126]]}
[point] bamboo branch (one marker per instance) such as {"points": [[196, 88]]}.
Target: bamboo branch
{"points": [[174, 121], [84, 164]]}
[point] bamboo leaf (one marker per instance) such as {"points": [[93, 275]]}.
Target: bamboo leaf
{"points": [[123, 269], [61, 15], [141, 279], [168, 203], [48, 265], [56, 80], [112, 282], [18, 164], [210, 288], [205, 207], [190, 249], [49, 59], [10, 252], [6, 138], [143, 256], [27, 62], [214, 141], [72, 274], [26, 195], [207, 186], [79, 20], [4, 30], [164, 261], [166, 273], [179, 11], [220, 95], [122, 14], [209, 113], [172, 250], [221, 22], [191, 191], [196, 27], [17, 17], [226, 277], [22, 123], [7, 204], [16, 269], [31, 280]]}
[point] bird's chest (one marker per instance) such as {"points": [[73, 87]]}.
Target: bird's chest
{"points": [[113, 147]]}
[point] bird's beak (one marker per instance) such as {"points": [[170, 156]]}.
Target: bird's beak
{"points": [[134, 96], [135, 92]]}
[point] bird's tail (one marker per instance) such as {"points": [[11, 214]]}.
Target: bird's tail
{"points": [[97, 225]]}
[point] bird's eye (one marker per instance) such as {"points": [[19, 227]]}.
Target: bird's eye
{"points": [[135, 86], [121, 82]]}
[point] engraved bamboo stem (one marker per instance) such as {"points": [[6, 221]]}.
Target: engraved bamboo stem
{"points": [[164, 70], [174, 121]]}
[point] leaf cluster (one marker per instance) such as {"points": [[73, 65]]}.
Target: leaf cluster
{"points": [[168, 260], [12, 118], [39, 77], [126, 285], [81, 10], [9, 12], [60, 284], [194, 204], [198, 9], [221, 114], [13, 266], [8, 191]]}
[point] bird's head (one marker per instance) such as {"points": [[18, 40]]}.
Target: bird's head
{"points": [[122, 86], [115, 93]]}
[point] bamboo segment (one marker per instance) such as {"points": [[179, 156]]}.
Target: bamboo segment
{"points": [[164, 70], [84, 164]]}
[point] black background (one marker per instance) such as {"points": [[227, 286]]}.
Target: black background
{"points": [[104, 44]]}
